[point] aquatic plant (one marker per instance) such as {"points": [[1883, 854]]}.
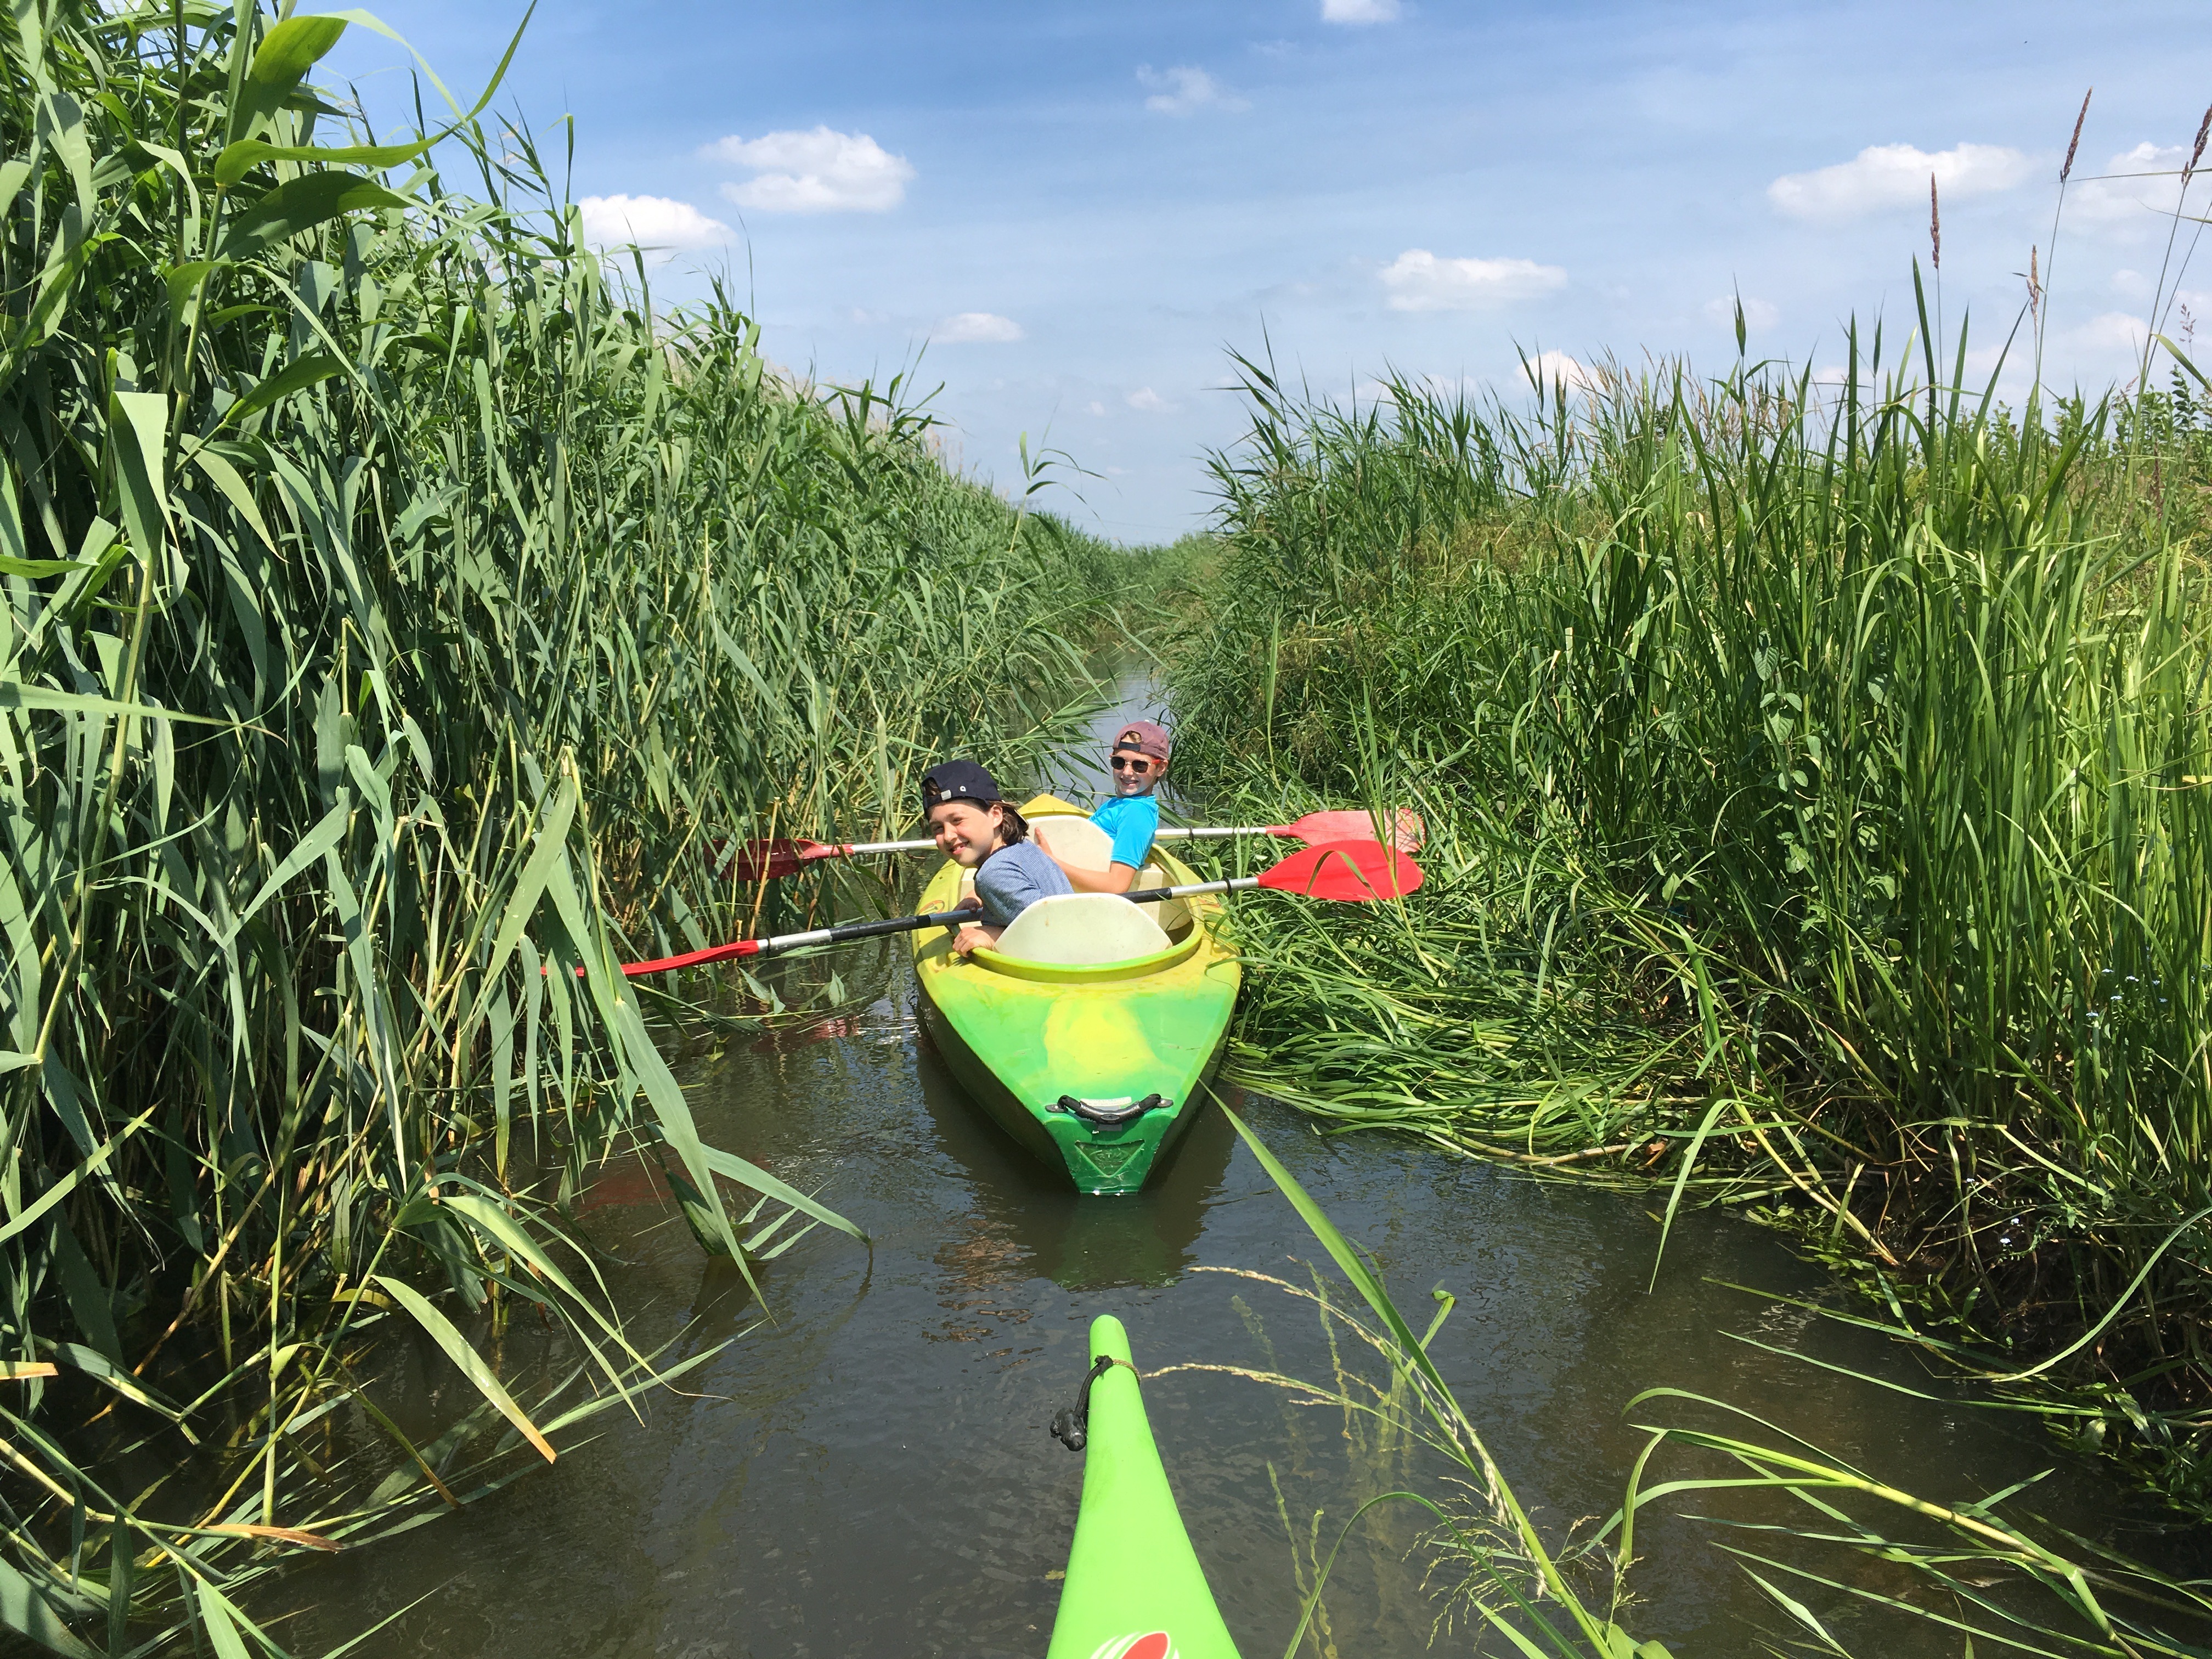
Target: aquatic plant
{"points": [[1817, 775], [396, 604], [1968, 1568]]}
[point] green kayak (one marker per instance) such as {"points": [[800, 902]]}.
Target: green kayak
{"points": [[1091, 1034], [1134, 1589]]}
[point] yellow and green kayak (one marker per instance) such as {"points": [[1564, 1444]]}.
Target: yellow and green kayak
{"points": [[1099, 1067], [1134, 1587]]}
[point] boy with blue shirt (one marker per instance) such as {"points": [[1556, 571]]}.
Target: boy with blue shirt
{"points": [[1132, 816]]}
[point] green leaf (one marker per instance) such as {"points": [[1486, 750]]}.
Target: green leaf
{"points": [[729, 1164], [307, 371], [15, 695], [222, 1619], [300, 205], [138, 442], [466, 1358], [22, 1609], [287, 52], [241, 158], [312, 846]]}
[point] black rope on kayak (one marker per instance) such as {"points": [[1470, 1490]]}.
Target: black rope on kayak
{"points": [[1071, 1427]]}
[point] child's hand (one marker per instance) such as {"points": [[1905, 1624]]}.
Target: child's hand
{"points": [[971, 937]]}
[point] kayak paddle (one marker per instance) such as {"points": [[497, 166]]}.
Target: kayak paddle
{"points": [[1408, 832], [764, 860], [1348, 872]]}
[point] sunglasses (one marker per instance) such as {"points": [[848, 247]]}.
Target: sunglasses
{"points": [[1138, 764]]}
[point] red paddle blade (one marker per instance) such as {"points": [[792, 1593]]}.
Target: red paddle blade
{"points": [[763, 860], [1407, 834], [1350, 870]]}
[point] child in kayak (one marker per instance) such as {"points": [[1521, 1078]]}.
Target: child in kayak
{"points": [[979, 831], [1131, 816]]}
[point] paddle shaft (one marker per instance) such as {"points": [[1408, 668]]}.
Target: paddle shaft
{"points": [[1166, 832], [782, 942]]}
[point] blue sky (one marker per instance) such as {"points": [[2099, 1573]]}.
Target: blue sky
{"points": [[1080, 209]]}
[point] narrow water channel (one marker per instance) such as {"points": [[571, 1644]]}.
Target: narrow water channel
{"points": [[865, 1469]]}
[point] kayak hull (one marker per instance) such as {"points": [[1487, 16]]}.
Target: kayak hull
{"points": [[1021, 1038], [1134, 1586]]}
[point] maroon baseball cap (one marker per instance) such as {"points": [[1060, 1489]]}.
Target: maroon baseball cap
{"points": [[1145, 737]]}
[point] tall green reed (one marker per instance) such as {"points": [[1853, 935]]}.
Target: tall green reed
{"points": [[397, 604], [1821, 774]]}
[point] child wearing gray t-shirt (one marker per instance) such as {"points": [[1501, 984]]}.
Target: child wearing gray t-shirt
{"points": [[978, 830]]}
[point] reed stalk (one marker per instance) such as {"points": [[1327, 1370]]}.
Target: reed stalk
{"points": [[396, 602]]}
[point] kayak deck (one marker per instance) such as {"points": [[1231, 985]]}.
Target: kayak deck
{"points": [[1134, 1587], [1041, 1046]]}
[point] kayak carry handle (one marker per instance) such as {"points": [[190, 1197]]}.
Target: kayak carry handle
{"points": [[1119, 1110], [1071, 1426]]}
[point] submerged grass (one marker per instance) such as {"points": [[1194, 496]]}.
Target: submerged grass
{"points": [[1818, 778], [1981, 1571], [392, 606]]}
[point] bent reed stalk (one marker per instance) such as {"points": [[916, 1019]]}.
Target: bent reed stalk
{"points": [[1818, 796], [394, 605]]}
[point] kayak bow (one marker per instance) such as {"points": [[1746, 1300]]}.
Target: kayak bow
{"points": [[1134, 1587]]}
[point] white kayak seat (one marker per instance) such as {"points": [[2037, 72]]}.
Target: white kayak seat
{"points": [[1085, 845], [1082, 930], [1077, 841]]}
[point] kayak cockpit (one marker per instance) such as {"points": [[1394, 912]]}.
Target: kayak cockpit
{"points": [[1084, 938]]}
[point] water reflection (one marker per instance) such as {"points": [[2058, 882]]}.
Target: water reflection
{"points": [[1079, 1241]]}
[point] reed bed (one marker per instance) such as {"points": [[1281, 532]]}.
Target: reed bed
{"points": [[397, 606], [1819, 778]]}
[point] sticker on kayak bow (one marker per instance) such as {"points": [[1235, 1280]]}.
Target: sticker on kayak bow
{"points": [[1153, 1644]]}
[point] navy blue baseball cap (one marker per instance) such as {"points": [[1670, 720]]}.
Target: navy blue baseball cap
{"points": [[958, 780]]}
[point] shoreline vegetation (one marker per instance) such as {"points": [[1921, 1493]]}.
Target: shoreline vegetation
{"points": [[395, 605], [1817, 780]]}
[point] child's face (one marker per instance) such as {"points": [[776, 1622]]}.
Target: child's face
{"points": [[965, 832], [1135, 774]]}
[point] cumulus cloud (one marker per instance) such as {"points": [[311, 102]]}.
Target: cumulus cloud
{"points": [[1150, 402], [2113, 331], [2138, 189], [1757, 315], [976, 328], [1895, 175], [1418, 281], [823, 171], [1549, 368], [1359, 11], [1186, 90], [657, 223]]}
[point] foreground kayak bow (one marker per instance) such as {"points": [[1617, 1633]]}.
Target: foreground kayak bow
{"points": [[1134, 1589]]}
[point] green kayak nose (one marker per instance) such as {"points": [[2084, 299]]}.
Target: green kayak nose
{"points": [[1134, 1589]]}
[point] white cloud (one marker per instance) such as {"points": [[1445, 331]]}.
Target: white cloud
{"points": [[1096, 407], [2130, 200], [1418, 281], [663, 227], [1895, 175], [1185, 89], [976, 328], [1359, 11], [1549, 368], [2113, 331], [1757, 315], [819, 171], [1150, 401]]}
